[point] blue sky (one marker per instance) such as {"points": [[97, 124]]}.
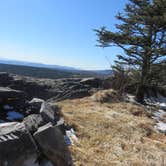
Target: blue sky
{"points": [[57, 31]]}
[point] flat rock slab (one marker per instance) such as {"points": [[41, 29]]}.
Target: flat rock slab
{"points": [[51, 141], [10, 93], [93, 82], [15, 144]]}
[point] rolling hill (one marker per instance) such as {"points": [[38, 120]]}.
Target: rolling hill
{"points": [[41, 71]]}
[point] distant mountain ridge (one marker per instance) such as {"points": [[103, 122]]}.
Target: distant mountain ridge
{"points": [[33, 64]]}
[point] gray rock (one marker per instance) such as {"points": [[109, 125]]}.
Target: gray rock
{"points": [[35, 105], [92, 82], [33, 88], [19, 148], [6, 93], [60, 89], [36, 101], [51, 141], [48, 114], [11, 101], [33, 122], [15, 144], [5, 79]]}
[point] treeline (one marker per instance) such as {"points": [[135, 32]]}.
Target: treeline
{"points": [[128, 79], [41, 72]]}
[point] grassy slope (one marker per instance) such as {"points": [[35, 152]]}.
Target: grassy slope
{"points": [[113, 134]]}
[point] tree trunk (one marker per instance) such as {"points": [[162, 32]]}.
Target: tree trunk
{"points": [[140, 93], [144, 77]]}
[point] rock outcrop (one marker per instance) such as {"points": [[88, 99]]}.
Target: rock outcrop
{"points": [[93, 82], [19, 147], [15, 144], [59, 89], [6, 93], [31, 132], [5, 79]]}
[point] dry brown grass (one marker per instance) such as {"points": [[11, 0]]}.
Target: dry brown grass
{"points": [[113, 134], [107, 96]]}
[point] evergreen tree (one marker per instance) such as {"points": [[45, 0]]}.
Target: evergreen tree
{"points": [[141, 33]]}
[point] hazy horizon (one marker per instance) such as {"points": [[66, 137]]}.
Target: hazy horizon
{"points": [[42, 63], [57, 32]]}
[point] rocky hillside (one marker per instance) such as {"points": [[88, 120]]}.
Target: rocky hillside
{"points": [[73, 121], [32, 130], [59, 89]]}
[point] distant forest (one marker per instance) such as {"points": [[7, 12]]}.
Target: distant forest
{"points": [[45, 72]]}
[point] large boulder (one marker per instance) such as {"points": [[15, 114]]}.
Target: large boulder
{"points": [[16, 145], [51, 141], [48, 114]]}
